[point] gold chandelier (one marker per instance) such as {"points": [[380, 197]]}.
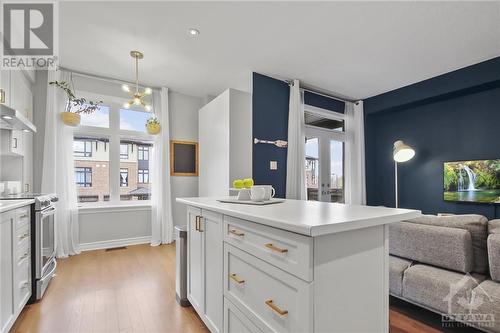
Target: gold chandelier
{"points": [[137, 96]]}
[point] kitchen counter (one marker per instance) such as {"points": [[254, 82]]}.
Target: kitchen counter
{"points": [[6, 205], [310, 218]]}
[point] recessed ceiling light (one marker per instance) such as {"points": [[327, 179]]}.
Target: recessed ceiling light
{"points": [[26, 131], [193, 32], [7, 117]]}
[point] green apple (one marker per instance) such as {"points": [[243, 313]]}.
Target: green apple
{"points": [[248, 182], [238, 183]]}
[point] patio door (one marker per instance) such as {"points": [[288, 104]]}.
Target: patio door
{"points": [[324, 148]]}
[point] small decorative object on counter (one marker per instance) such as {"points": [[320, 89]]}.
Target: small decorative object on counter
{"points": [[75, 106], [153, 125]]}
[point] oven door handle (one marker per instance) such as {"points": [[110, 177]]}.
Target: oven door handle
{"points": [[48, 212], [50, 274]]}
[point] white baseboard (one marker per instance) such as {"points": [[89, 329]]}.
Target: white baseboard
{"points": [[114, 243]]}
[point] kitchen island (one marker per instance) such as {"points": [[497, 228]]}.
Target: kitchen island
{"points": [[295, 266]]}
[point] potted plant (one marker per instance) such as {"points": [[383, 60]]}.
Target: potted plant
{"points": [[153, 125], [75, 106]]}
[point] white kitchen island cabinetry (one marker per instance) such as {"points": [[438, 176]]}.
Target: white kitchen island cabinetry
{"points": [[297, 266]]}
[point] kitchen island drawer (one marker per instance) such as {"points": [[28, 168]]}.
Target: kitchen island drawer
{"points": [[287, 250], [235, 321], [272, 299]]}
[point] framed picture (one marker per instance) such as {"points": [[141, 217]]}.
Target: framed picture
{"points": [[183, 158]]}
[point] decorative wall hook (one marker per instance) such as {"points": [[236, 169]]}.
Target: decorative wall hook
{"points": [[277, 143]]}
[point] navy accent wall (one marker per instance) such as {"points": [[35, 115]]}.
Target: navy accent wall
{"points": [[455, 116], [323, 102], [270, 100]]}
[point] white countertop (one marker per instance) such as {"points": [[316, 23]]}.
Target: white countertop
{"points": [[6, 205], [310, 218]]}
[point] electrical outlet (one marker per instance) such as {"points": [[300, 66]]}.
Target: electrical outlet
{"points": [[273, 165]]}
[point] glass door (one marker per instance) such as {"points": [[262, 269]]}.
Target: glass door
{"points": [[324, 166]]}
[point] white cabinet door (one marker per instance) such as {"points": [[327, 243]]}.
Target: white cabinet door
{"points": [[211, 228], [195, 260], [6, 272], [21, 94], [5, 85]]}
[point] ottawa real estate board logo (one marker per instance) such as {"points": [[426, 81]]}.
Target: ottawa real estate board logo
{"points": [[29, 32]]}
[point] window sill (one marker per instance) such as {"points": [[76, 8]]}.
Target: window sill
{"points": [[91, 207]]}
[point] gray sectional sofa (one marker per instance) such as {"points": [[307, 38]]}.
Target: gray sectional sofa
{"points": [[449, 265]]}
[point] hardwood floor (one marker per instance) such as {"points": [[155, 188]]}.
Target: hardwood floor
{"points": [[127, 290]]}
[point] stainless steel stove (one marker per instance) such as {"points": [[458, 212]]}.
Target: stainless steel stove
{"points": [[43, 255]]}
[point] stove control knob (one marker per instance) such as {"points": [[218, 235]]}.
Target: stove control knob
{"points": [[54, 199], [45, 202]]}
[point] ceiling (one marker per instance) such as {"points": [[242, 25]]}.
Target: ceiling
{"points": [[353, 49]]}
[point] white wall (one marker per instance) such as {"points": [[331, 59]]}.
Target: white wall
{"points": [[183, 126], [113, 227]]}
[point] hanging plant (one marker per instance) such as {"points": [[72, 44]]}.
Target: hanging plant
{"points": [[76, 105], [153, 125]]}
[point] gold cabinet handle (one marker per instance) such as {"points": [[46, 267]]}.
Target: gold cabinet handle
{"points": [[2, 96], [236, 232], [197, 223], [275, 248], [236, 278], [23, 216], [23, 236], [270, 304]]}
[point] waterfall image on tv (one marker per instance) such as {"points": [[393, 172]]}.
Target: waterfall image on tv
{"points": [[472, 181]]}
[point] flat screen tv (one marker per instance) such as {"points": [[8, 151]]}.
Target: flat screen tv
{"points": [[472, 181]]}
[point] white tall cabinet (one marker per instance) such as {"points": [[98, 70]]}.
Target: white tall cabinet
{"points": [[225, 142]]}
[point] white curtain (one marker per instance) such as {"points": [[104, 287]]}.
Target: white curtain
{"points": [[161, 205], [355, 182], [295, 160], [58, 168]]}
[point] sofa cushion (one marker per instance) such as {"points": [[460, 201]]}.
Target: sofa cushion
{"points": [[439, 289], [477, 225], [486, 303], [494, 227], [397, 267], [494, 256], [439, 246]]}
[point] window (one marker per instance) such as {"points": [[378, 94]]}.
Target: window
{"points": [[112, 159], [134, 120], [326, 119], [143, 176], [82, 148], [99, 118], [124, 151], [143, 153], [124, 177], [83, 177]]}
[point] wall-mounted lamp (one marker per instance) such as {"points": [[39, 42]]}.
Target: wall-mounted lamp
{"points": [[277, 143], [401, 153]]}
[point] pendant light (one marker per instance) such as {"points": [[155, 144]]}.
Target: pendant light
{"points": [[137, 96]]}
